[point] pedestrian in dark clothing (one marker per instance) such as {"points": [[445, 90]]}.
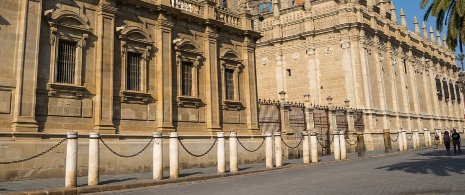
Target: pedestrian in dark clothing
{"points": [[456, 140], [447, 141]]}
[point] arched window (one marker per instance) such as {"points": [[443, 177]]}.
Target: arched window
{"points": [[446, 90], [438, 88]]}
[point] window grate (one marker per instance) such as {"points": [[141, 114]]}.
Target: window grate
{"points": [[438, 88], [452, 91], [446, 90], [457, 92], [187, 78], [133, 71], [66, 62], [229, 79]]}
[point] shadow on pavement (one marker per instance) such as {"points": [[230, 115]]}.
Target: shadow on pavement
{"points": [[115, 181], [439, 163], [188, 174]]}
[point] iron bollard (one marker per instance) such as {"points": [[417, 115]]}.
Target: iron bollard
{"points": [[387, 141], [94, 159], [221, 157], [360, 144], [157, 156], [233, 167], [174, 155], [71, 160]]}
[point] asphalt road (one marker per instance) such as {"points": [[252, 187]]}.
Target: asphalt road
{"points": [[425, 171]]}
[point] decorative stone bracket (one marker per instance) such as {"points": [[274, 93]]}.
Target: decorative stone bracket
{"points": [[232, 105], [65, 90], [134, 97]]}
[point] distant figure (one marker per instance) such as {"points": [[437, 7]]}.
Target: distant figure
{"points": [[447, 141], [436, 138], [456, 140]]}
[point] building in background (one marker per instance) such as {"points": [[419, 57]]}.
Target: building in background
{"points": [[355, 50]]}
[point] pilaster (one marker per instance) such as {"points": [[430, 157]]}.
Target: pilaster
{"points": [[212, 88], [251, 82], [164, 74], [27, 66], [105, 32]]}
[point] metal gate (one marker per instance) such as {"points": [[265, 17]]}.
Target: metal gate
{"points": [[297, 119], [358, 120], [269, 116], [342, 123], [321, 121]]}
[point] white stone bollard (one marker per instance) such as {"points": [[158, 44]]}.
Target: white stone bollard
{"points": [[414, 139], [342, 142], [404, 138], [400, 140], [269, 150], [157, 156], [94, 159], [417, 134], [440, 136], [278, 149], [221, 156], [305, 147], [428, 134], [336, 145], [313, 147], [71, 160], [174, 155], [233, 166]]}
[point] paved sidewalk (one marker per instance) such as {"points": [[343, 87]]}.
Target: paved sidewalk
{"points": [[125, 181]]}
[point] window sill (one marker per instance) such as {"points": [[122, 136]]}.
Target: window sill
{"points": [[188, 101], [232, 105], [134, 97], [65, 90]]}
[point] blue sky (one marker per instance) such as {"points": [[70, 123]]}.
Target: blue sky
{"points": [[411, 9]]}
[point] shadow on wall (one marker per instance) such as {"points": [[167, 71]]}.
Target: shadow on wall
{"points": [[3, 21], [439, 164]]}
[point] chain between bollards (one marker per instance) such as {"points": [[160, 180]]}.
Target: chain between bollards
{"points": [[240, 143], [125, 156], [353, 143], [198, 155], [301, 139], [396, 138], [35, 156]]}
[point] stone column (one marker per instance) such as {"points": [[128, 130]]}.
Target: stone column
{"points": [[305, 147], [313, 147], [174, 155], [233, 166], [71, 160], [26, 64], [104, 69], [269, 150], [336, 145], [278, 149], [414, 138], [251, 83], [212, 86], [404, 138], [221, 156], [157, 156], [164, 72], [361, 144], [400, 140], [342, 144], [387, 141], [94, 159]]}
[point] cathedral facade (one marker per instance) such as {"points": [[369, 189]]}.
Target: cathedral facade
{"points": [[356, 50]]}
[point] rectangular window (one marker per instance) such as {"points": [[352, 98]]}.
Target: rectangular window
{"points": [[66, 62], [229, 79], [452, 91], [405, 66], [133, 71], [446, 90], [186, 78], [438, 88], [457, 92]]}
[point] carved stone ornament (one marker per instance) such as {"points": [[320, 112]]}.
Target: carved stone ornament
{"points": [[264, 61], [295, 56], [329, 50], [345, 44], [310, 51]]}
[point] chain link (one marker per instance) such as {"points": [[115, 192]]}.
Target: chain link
{"points": [[320, 143], [396, 138], [294, 146], [125, 156], [419, 135], [240, 143], [408, 138], [353, 143], [35, 156], [197, 155]]}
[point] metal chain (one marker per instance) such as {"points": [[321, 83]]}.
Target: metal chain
{"points": [[126, 156], [197, 155], [240, 143], [419, 135], [294, 146], [320, 143], [356, 141], [396, 138], [408, 138], [35, 156]]}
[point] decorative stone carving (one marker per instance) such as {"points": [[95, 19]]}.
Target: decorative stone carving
{"points": [[310, 51], [295, 56], [264, 61], [345, 44], [329, 50]]}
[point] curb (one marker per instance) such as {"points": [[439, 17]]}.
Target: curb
{"points": [[151, 183]]}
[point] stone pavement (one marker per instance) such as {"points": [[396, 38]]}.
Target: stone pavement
{"points": [[125, 181]]}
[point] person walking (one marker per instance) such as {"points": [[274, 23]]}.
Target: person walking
{"points": [[446, 140], [436, 138], [456, 140]]}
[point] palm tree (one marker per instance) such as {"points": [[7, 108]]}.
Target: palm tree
{"points": [[450, 13], [461, 57]]}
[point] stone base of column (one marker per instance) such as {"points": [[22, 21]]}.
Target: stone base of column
{"points": [[105, 128], [25, 126]]}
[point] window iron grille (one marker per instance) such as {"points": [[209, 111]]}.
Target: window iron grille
{"points": [[446, 90], [452, 91], [187, 78], [229, 79], [133, 71], [66, 62], [438, 88]]}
